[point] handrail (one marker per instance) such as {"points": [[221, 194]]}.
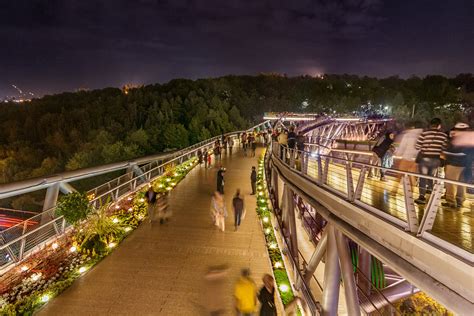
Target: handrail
{"points": [[21, 227]]}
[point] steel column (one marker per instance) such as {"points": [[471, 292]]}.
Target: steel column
{"points": [[332, 275], [365, 262], [347, 270], [290, 212], [316, 258]]}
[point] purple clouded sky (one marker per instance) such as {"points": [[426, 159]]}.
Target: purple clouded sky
{"points": [[58, 45]]}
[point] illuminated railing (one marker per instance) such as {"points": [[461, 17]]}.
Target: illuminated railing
{"points": [[24, 238], [341, 173]]}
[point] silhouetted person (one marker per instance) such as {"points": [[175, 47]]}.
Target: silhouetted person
{"points": [[239, 209], [253, 180], [220, 180], [266, 296], [150, 197], [164, 213]]}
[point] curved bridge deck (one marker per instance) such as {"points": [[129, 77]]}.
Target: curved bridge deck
{"points": [[158, 270]]}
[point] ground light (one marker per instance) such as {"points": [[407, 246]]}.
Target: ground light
{"points": [[73, 249], [45, 298], [82, 269]]}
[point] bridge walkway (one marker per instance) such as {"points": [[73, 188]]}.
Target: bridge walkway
{"points": [[158, 270]]}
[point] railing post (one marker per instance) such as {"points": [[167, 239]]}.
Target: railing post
{"points": [[326, 170], [320, 170], [23, 242], [412, 220], [431, 209], [332, 276], [360, 184], [350, 183]]}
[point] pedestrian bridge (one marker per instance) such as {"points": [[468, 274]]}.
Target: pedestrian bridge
{"points": [[323, 207]]}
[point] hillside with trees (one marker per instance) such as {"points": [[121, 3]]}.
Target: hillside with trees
{"points": [[74, 130]]}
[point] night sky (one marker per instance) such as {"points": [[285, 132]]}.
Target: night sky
{"points": [[56, 45]]}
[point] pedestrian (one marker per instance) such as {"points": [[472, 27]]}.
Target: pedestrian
{"points": [[253, 180], [283, 142], [220, 180], [214, 291], [406, 150], [217, 151], [239, 209], [456, 160], [266, 296], [231, 144], [199, 155], [430, 143], [164, 213], [300, 143], [379, 151], [254, 148], [209, 159], [224, 144], [244, 140], [245, 294], [150, 197], [218, 210]]}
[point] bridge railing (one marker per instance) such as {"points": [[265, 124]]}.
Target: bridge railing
{"points": [[392, 200], [19, 241]]}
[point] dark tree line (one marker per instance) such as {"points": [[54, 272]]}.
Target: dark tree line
{"points": [[87, 128]]}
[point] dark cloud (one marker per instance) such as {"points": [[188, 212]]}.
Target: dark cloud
{"points": [[49, 46]]}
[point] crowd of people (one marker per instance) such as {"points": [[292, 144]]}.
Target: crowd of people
{"points": [[429, 152]]}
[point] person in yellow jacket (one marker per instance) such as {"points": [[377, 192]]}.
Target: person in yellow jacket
{"points": [[245, 294]]}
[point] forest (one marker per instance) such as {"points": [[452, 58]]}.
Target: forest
{"points": [[74, 130]]}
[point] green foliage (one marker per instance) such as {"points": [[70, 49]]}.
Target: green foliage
{"points": [[74, 207], [99, 231], [281, 277]]}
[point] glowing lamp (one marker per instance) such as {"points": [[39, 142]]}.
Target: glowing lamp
{"points": [[111, 245], [36, 276], [142, 200], [55, 245], [265, 219], [24, 268], [82, 269], [45, 298], [73, 249], [284, 288], [278, 265], [115, 220]]}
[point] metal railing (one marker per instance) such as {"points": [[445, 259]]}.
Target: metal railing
{"points": [[23, 239], [392, 200]]}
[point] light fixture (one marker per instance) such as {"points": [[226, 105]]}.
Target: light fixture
{"points": [[73, 249], [24, 268], [45, 298], [176, 174], [130, 209], [142, 200], [55, 245], [267, 231], [36, 276], [168, 179], [117, 207], [272, 245], [129, 198], [278, 265], [260, 193], [169, 188], [111, 245], [82, 269], [172, 184], [160, 185], [284, 288], [265, 219], [115, 220], [127, 229]]}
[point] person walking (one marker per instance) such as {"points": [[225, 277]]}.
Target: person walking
{"points": [[150, 197], [218, 210], [231, 145], [266, 296], [283, 141], [245, 294], [430, 143], [456, 161], [254, 147], [162, 206], [379, 151], [239, 209], [220, 180], [214, 291], [253, 180], [406, 151], [199, 155]]}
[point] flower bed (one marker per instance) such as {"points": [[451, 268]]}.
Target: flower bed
{"points": [[274, 252], [55, 267]]}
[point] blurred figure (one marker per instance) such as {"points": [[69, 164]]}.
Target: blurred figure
{"points": [[218, 210], [209, 160], [231, 144], [215, 288], [283, 141], [431, 143], [253, 180], [456, 161], [379, 151], [245, 294], [239, 209], [266, 296], [254, 147], [199, 155], [150, 197], [406, 150], [220, 180], [164, 213]]}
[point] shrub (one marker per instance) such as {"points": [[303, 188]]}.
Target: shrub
{"points": [[74, 207]]}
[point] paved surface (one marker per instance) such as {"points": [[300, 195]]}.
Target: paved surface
{"points": [[158, 270]]}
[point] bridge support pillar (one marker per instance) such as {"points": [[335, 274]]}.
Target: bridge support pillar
{"points": [[332, 275], [316, 258], [365, 259], [347, 270]]}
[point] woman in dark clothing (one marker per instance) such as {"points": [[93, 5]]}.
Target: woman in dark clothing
{"points": [[266, 296], [220, 180], [379, 151]]}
